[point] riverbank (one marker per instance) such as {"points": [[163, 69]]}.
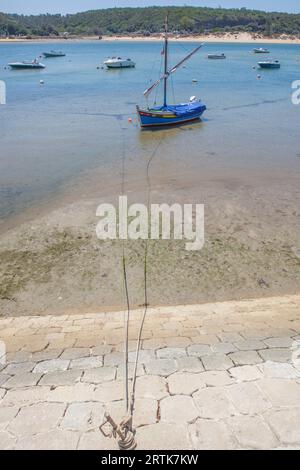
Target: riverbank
{"points": [[214, 38]]}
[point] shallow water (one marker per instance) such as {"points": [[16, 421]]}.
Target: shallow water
{"points": [[76, 124]]}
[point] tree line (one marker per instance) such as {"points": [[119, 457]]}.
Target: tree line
{"points": [[149, 20]]}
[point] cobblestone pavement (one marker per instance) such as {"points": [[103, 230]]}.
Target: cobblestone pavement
{"points": [[223, 375]]}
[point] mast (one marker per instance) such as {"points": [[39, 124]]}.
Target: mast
{"points": [[166, 62]]}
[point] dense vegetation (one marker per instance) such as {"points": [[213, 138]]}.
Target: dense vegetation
{"points": [[147, 21]]}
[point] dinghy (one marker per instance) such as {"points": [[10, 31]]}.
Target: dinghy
{"points": [[261, 50], [270, 64], [50, 54], [216, 56], [167, 114], [34, 64]]}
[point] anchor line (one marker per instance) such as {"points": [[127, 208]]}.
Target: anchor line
{"points": [[125, 286], [146, 303], [129, 404]]}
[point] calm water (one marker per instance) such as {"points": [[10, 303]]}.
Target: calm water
{"points": [[52, 134]]}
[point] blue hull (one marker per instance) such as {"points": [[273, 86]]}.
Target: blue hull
{"points": [[168, 117]]}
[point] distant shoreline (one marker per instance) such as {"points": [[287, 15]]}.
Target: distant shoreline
{"points": [[214, 38]]}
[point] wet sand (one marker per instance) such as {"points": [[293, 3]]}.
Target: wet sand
{"points": [[52, 261]]}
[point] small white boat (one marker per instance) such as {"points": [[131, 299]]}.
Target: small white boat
{"points": [[216, 56], [261, 50], [119, 63], [51, 54], [270, 64], [27, 64]]}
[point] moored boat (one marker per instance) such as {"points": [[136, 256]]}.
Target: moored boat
{"points": [[261, 50], [26, 64], [119, 63], [270, 64], [167, 114], [216, 56], [50, 54]]}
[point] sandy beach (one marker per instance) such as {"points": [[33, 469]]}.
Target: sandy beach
{"points": [[54, 263], [214, 38]]}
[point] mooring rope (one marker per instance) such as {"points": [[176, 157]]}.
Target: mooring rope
{"points": [[138, 345], [125, 284]]}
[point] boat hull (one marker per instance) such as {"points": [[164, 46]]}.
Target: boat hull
{"points": [[48, 55], [27, 66], [269, 66], [154, 118]]}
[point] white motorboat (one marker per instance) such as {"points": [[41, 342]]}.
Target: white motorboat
{"points": [[27, 64], [119, 63]]}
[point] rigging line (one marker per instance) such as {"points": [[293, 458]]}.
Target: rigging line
{"points": [[125, 284], [138, 344]]}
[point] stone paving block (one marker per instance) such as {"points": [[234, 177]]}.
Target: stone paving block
{"points": [[205, 339], [51, 365], [25, 396], [216, 378], [26, 379], [72, 393], [94, 440], [114, 359], [189, 364], [285, 423], [281, 392], [3, 378], [249, 344], [61, 378], [154, 343], [213, 403], [75, 353], [109, 391], [52, 440], [242, 358], [46, 354], [144, 356], [216, 361], [91, 362], [7, 441], [151, 386], [37, 418], [101, 350], [99, 375], [276, 354], [285, 342], [145, 411], [211, 435], [7, 414], [19, 368], [83, 416], [223, 348], [177, 342], [247, 398], [121, 370], [199, 350], [245, 373], [185, 383], [20, 356], [170, 353], [279, 370], [162, 436], [252, 432], [230, 337], [178, 409], [162, 367]]}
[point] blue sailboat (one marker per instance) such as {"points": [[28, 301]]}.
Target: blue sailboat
{"points": [[167, 115]]}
